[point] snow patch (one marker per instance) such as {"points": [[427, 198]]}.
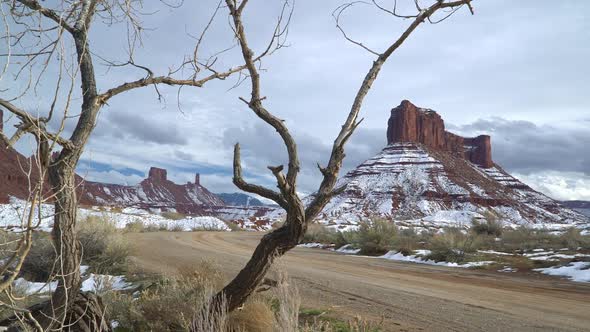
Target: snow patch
{"points": [[574, 271]]}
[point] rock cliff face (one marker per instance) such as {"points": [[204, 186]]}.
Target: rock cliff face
{"points": [[155, 192], [14, 170], [427, 176], [409, 123]]}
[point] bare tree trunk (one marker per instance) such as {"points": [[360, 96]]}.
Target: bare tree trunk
{"points": [[68, 306], [272, 246]]}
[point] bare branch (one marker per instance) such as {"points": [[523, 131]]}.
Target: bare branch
{"points": [[252, 188], [52, 15], [167, 80], [255, 102]]}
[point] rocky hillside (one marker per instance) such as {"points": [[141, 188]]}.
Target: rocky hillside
{"points": [[16, 172], [155, 192], [428, 176]]}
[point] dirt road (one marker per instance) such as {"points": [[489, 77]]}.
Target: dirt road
{"points": [[409, 297]]}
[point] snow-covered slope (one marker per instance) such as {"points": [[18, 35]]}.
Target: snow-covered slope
{"points": [[408, 183], [13, 217], [429, 177]]}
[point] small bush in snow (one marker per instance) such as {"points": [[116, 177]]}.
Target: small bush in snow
{"points": [[573, 238], [135, 227], [375, 237], [103, 245], [452, 246], [174, 227], [407, 240], [490, 227], [169, 304], [524, 239], [317, 233], [39, 263]]}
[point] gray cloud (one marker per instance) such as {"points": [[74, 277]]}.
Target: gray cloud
{"points": [[525, 147], [122, 125]]}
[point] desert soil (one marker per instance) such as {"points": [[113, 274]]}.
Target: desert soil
{"points": [[403, 296]]}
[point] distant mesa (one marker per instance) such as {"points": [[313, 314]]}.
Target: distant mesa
{"points": [[429, 176], [157, 174], [409, 123]]}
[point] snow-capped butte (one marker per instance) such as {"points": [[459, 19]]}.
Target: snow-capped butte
{"points": [[427, 176]]}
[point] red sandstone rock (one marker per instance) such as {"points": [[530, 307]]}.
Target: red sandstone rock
{"points": [[157, 174], [409, 123]]}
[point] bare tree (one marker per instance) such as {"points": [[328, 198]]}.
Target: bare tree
{"points": [[298, 215], [53, 36]]}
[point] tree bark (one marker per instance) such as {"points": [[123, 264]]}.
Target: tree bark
{"points": [[62, 180], [272, 246], [69, 309]]}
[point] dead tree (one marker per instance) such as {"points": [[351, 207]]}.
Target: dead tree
{"points": [[299, 215], [41, 36]]}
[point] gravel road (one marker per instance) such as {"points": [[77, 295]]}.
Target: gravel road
{"points": [[405, 296]]}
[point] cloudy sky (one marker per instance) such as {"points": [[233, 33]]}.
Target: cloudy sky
{"points": [[517, 70]]}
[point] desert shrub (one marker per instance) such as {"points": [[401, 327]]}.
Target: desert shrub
{"points": [[175, 227], [256, 315], [524, 238], [163, 226], [406, 241], [320, 234], [8, 243], [490, 227], [345, 237], [172, 215], [135, 227], [151, 228], [39, 263], [452, 245], [313, 320], [103, 246], [375, 237], [233, 226], [169, 304], [573, 238]]}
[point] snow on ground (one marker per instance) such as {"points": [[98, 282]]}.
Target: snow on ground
{"points": [[348, 249], [418, 258], [30, 288], [97, 283], [312, 245], [103, 282], [542, 255], [575, 271], [493, 252], [13, 216]]}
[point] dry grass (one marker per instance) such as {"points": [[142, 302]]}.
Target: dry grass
{"points": [[375, 237], [172, 215], [103, 245], [135, 227], [452, 245], [171, 302]]}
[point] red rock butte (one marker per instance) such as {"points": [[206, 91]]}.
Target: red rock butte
{"points": [[409, 123]]}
